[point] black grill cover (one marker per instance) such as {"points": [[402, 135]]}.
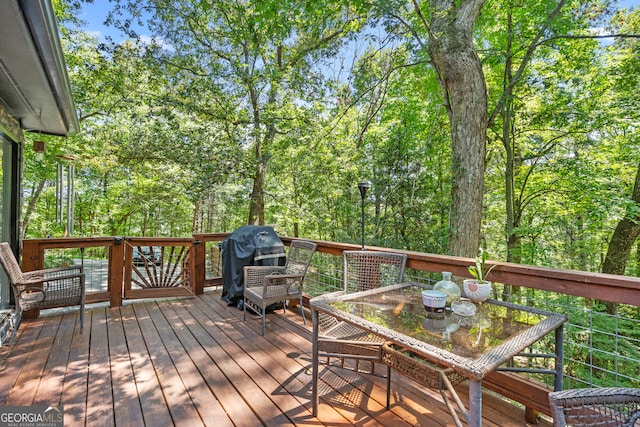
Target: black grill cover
{"points": [[248, 245]]}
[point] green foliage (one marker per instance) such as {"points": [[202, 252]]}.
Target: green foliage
{"points": [[169, 139], [598, 343], [480, 271]]}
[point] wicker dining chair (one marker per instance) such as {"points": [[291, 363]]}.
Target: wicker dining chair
{"points": [[605, 407], [267, 285], [41, 289], [363, 270]]}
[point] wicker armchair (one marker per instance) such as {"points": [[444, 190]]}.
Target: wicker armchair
{"points": [[606, 407], [266, 285], [50, 288], [363, 270]]}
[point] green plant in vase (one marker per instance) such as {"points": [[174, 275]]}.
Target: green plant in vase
{"points": [[478, 288], [480, 270]]}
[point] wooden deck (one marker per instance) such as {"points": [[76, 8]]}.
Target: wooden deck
{"points": [[194, 361]]}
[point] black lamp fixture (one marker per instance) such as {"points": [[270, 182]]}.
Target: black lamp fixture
{"points": [[39, 149], [363, 187], [39, 146]]}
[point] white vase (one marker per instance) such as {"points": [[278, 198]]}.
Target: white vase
{"points": [[476, 291]]}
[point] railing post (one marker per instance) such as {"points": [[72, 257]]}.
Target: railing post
{"points": [[198, 262], [32, 256], [116, 267]]}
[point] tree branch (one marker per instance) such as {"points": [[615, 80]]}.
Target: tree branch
{"points": [[524, 63]]}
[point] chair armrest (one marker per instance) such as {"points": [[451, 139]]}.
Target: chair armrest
{"points": [[38, 278], [293, 280], [276, 276], [36, 292], [254, 276], [70, 285], [53, 272]]}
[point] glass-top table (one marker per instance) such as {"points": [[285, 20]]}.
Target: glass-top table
{"points": [[472, 345]]}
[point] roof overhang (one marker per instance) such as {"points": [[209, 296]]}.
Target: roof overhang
{"points": [[34, 85]]}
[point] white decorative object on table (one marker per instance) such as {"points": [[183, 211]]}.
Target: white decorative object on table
{"points": [[463, 320], [476, 291], [434, 301], [478, 288], [463, 308], [452, 326], [435, 324], [449, 287]]}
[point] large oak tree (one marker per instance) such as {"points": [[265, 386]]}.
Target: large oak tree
{"points": [[253, 61]]}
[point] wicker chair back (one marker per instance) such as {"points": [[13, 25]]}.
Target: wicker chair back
{"points": [[364, 270], [608, 406]]}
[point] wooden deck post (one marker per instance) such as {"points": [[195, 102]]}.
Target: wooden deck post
{"points": [[198, 255], [116, 271]]}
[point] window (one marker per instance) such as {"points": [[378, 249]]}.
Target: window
{"points": [[8, 205]]}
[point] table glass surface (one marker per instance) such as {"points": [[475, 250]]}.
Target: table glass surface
{"points": [[402, 311]]}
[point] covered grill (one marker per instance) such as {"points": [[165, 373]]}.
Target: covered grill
{"points": [[247, 245]]}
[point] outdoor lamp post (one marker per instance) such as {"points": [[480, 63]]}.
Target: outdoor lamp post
{"points": [[363, 187]]}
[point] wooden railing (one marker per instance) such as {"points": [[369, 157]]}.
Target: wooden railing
{"points": [[606, 287], [612, 288], [33, 256]]}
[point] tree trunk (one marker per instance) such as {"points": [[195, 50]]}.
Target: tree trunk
{"points": [[637, 272], [509, 147], [35, 196], [462, 80], [511, 201], [623, 238], [196, 225], [256, 204]]}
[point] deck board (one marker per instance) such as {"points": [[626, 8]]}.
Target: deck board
{"points": [[52, 383], [125, 396], [154, 409], [221, 370], [74, 391], [193, 370], [99, 392], [172, 392], [195, 362]]}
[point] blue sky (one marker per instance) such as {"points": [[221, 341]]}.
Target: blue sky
{"points": [[96, 13]]}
